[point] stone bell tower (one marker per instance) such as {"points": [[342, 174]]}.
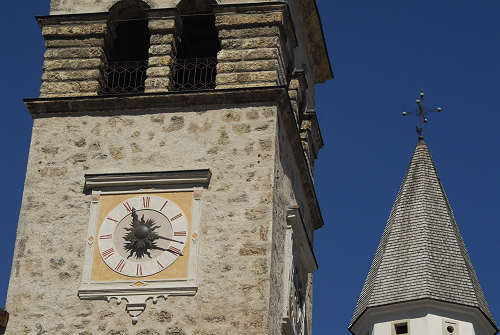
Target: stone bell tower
{"points": [[169, 187]]}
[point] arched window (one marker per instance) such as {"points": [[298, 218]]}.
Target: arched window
{"points": [[197, 46], [127, 47]]}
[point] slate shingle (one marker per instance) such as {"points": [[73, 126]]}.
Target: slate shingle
{"points": [[421, 253]]}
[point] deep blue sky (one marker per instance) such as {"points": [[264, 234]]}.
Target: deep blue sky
{"points": [[383, 53]]}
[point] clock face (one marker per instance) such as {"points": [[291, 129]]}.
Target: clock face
{"points": [[142, 235]]}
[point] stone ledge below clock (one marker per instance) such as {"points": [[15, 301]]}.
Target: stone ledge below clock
{"points": [[141, 103]]}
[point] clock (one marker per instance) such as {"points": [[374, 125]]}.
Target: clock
{"points": [[142, 235]]}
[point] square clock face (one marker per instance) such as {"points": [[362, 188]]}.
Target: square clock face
{"points": [[142, 243], [143, 236]]}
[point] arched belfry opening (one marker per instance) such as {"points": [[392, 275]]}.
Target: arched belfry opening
{"points": [[127, 47], [197, 46]]}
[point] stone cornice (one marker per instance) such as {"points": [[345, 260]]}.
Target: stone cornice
{"points": [[150, 102]]}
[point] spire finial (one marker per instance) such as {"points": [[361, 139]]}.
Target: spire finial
{"points": [[421, 113]]}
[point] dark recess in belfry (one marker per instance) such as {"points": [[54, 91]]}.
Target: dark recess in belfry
{"points": [[126, 48]]}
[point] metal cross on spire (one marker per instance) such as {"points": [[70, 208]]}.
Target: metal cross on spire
{"points": [[421, 113]]}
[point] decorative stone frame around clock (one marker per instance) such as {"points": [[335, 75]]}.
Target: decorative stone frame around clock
{"points": [[137, 291]]}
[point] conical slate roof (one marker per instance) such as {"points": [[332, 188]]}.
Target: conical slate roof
{"points": [[421, 253]]}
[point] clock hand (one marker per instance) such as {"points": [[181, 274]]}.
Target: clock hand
{"points": [[169, 239], [162, 249]]}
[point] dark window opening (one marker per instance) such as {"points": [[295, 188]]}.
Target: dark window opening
{"points": [[401, 328], [127, 47], [195, 66]]}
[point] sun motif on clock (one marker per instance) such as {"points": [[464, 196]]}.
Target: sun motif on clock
{"points": [[142, 235]]}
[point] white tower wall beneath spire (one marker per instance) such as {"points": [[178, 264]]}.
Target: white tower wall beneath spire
{"points": [[422, 317]]}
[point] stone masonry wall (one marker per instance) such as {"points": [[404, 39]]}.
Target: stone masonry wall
{"points": [[257, 48], [238, 145], [287, 192], [93, 6], [161, 51], [73, 59]]}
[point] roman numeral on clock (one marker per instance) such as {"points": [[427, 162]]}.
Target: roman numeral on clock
{"points": [[106, 237], [127, 206], [145, 202], [174, 251], [180, 233], [176, 217], [159, 264], [139, 270], [166, 202], [108, 253], [120, 266], [110, 219]]}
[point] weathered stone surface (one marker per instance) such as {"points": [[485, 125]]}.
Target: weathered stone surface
{"points": [[161, 39], [161, 25], [71, 75], [237, 55], [245, 20], [68, 88], [74, 53], [250, 43], [66, 148], [80, 42], [161, 49], [73, 30], [71, 64], [247, 66], [160, 60], [245, 77], [248, 32], [163, 71], [157, 83], [246, 85]]}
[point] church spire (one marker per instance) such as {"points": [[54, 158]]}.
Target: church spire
{"points": [[422, 260]]}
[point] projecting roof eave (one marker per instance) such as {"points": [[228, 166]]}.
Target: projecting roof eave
{"points": [[315, 41], [478, 312]]}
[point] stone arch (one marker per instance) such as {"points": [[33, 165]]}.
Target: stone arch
{"points": [[128, 9], [195, 6]]}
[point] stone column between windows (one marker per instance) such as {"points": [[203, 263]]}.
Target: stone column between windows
{"points": [[73, 58], [257, 47], [161, 54]]}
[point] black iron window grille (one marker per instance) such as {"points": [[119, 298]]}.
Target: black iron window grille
{"points": [[194, 74], [124, 77]]}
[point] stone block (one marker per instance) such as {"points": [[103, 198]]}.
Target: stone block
{"points": [[161, 39], [238, 55], [248, 20], [71, 75], [157, 83], [242, 77], [162, 71], [250, 43], [68, 88], [247, 66], [245, 85], [161, 25], [249, 32], [160, 60], [162, 49], [79, 42], [74, 53], [73, 30], [71, 64]]}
